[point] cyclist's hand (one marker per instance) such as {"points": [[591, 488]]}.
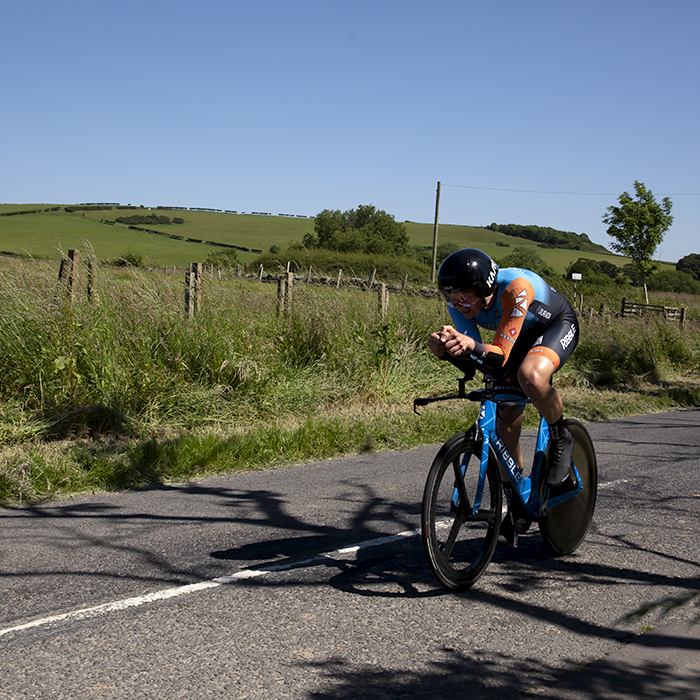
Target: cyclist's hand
{"points": [[454, 342], [437, 340], [437, 347]]}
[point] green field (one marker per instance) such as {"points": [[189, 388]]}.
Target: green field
{"points": [[44, 234], [48, 233], [494, 244]]}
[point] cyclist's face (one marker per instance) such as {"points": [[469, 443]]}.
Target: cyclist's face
{"points": [[468, 302]]}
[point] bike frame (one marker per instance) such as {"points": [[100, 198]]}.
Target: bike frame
{"points": [[536, 504]]}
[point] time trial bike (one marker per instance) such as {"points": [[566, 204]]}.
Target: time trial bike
{"points": [[463, 501]]}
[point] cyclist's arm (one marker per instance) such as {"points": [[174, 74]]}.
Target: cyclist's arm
{"points": [[467, 344], [490, 357]]}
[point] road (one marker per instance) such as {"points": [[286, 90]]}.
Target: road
{"points": [[310, 582]]}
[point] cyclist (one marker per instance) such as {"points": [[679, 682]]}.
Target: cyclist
{"points": [[536, 332]]}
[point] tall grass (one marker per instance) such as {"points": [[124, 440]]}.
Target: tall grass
{"points": [[122, 389], [132, 350]]}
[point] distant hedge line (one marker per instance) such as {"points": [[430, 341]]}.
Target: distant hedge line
{"points": [[28, 211], [549, 237]]}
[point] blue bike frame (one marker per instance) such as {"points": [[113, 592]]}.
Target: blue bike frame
{"points": [[486, 424]]}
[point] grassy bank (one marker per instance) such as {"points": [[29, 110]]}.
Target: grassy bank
{"points": [[122, 390]]}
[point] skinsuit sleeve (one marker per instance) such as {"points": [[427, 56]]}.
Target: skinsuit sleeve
{"points": [[515, 301]]}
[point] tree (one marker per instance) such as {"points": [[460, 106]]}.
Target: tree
{"points": [[638, 226], [362, 230], [690, 264], [674, 281], [595, 271]]}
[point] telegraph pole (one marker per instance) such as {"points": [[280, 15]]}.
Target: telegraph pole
{"points": [[435, 235]]}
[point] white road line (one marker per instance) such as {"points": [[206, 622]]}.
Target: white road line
{"points": [[612, 483], [105, 608]]}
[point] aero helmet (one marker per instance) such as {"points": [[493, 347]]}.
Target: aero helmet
{"points": [[468, 269]]}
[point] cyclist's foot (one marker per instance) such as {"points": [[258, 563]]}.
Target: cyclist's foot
{"points": [[508, 535], [521, 520], [516, 510], [560, 452]]}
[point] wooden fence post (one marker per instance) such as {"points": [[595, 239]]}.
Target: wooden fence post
{"points": [[193, 289], [68, 273], [383, 304], [189, 294], [281, 294], [289, 292], [198, 270], [340, 274], [371, 279], [91, 275]]}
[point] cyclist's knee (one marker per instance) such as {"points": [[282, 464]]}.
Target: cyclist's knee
{"points": [[535, 377]]}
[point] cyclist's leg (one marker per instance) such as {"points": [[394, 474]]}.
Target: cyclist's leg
{"points": [[547, 351], [510, 421], [535, 377], [548, 354]]}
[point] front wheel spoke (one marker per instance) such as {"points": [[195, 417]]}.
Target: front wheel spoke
{"points": [[452, 538], [459, 484]]}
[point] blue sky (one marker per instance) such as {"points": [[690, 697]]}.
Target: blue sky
{"points": [[527, 111]]}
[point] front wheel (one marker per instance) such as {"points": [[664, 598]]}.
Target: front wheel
{"points": [[458, 540], [565, 526]]}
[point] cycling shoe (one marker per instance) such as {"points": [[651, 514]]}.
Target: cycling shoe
{"points": [[507, 534], [521, 520], [560, 452]]}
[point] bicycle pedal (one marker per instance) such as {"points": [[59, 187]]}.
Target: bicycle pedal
{"points": [[512, 543]]}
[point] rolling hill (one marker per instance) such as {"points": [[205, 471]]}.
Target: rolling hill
{"points": [[44, 230]]}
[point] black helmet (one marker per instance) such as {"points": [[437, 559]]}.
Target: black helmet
{"points": [[468, 269]]}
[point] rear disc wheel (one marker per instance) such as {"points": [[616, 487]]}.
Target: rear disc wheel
{"points": [[565, 526]]}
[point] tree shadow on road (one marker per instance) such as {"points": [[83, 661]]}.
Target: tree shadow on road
{"points": [[501, 676]]}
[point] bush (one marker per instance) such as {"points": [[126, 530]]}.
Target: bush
{"points": [[224, 259], [425, 253], [596, 272], [129, 259], [673, 281], [328, 263], [140, 219]]}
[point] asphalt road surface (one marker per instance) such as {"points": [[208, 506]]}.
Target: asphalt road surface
{"points": [[310, 582]]}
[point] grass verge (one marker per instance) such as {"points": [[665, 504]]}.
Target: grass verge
{"points": [[42, 471]]}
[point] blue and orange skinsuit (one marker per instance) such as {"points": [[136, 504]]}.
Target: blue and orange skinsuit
{"points": [[529, 317]]}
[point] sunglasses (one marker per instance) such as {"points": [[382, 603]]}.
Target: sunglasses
{"points": [[466, 301]]}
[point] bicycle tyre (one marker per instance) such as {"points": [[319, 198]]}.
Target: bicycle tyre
{"points": [[459, 545], [565, 526]]}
